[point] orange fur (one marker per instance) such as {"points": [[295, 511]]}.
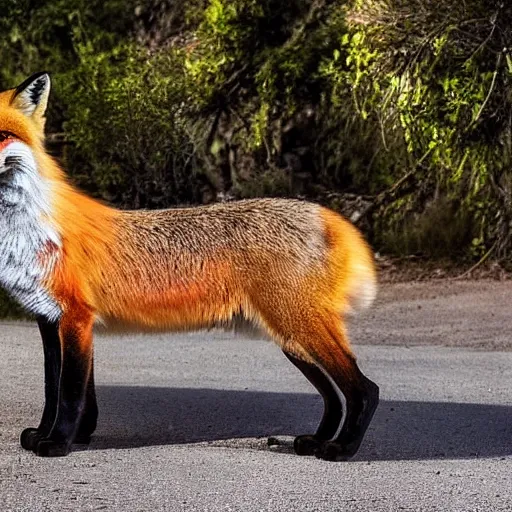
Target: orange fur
{"points": [[200, 292], [12, 120]]}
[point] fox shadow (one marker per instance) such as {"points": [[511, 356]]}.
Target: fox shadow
{"points": [[139, 416]]}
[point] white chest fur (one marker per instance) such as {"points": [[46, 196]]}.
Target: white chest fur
{"points": [[24, 232]]}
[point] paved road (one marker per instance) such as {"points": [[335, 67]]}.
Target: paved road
{"points": [[184, 419]]}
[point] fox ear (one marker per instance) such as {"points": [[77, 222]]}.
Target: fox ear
{"points": [[31, 97]]}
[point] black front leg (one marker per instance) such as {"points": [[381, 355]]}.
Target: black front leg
{"points": [[52, 361], [30, 437], [90, 415], [75, 332]]}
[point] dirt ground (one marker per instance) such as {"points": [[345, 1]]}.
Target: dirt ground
{"points": [[447, 312]]}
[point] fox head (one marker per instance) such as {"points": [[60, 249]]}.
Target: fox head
{"points": [[22, 110], [25, 168]]}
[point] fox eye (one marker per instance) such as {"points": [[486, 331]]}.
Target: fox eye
{"points": [[4, 135]]}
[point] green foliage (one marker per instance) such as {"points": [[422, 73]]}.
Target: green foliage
{"points": [[9, 308], [257, 64], [435, 76], [40, 36], [441, 229], [131, 144], [407, 101]]}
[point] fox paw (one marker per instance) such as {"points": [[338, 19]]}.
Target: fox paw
{"points": [[333, 451], [30, 437], [49, 448], [82, 439], [306, 445]]}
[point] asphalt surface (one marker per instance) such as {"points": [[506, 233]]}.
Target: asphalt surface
{"points": [[184, 419]]}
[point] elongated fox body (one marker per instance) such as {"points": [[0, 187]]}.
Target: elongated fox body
{"points": [[292, 268], [199, 267]]}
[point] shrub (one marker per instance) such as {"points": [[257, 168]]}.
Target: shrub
{"points": [[127, 121], [436, 75]]}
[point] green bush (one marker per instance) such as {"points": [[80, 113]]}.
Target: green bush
{"points": [[9, 308], [41, 35], [404, 101], [256, 66], [435, 76], [132, 143]]}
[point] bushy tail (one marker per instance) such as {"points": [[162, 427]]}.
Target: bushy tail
{"points": [[362, 286], [352, 265]]}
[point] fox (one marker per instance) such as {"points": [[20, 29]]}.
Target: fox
{"points": [[290, 268]]}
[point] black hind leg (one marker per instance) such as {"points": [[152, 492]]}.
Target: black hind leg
{"points": [[328, 346], [362, 398], [333, 411]]}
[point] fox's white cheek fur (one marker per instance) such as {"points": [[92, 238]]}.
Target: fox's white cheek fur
{"points": [[25, 206]]}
